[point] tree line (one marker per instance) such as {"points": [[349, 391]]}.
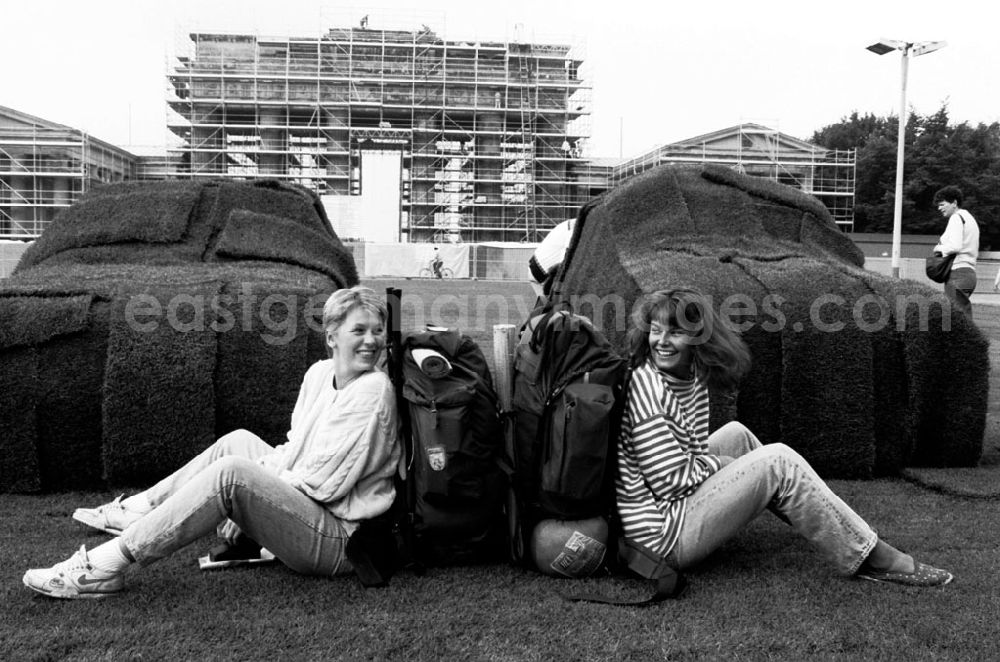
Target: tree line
{"points": [[937, 153]]}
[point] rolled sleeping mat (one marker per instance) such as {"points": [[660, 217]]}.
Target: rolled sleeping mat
{"points": [[432, 363]]}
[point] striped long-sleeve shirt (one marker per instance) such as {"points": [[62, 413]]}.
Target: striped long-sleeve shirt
{"points": [[662, 455]]}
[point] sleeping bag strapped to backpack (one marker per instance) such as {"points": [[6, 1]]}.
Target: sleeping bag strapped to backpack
{"points": [[567, 397], [456, 484]]}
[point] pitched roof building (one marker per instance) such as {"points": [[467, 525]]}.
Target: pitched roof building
{"points": [[45, 167], [761, 151]]}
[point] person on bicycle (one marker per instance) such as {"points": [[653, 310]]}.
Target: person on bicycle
{"points": [[436, 264]]}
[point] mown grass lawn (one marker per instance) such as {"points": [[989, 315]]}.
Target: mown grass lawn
{"points": [[765, 596]]}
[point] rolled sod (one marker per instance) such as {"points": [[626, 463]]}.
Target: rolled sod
{"points": [[263, 357], [124, 346], [32, 320], [70, 382], [119, 214], [19, 466], [858, 385], [249, 235], [159, 395]]}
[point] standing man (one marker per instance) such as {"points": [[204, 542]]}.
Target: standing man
{"points": [[961, 238]]}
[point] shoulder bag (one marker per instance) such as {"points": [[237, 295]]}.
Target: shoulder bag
{"points": [[937, 266]]}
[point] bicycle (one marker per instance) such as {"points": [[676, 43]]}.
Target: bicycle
{"points": [[446, 272]]}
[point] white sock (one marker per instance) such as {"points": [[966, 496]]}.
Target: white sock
{"points": [[109, 557], [137, 503]]}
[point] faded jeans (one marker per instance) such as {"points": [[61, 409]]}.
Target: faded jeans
{"points": [[959, 287], [768, 477], [225, 482]]}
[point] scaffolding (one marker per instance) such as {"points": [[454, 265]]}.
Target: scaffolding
{"points": [[491, 134], [761, 151], [45, 167]]}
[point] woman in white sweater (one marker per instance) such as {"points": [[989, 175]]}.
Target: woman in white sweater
{"points": [[301, 500]]}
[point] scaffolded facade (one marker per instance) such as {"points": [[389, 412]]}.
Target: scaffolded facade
{"points": [[491, 134], [45, 167], [762, 151]]}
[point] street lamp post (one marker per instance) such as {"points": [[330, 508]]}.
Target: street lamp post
{"points": [[882, 47]]}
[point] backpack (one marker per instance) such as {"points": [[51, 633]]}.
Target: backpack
{"points": [[567, 401], [456, 486]]}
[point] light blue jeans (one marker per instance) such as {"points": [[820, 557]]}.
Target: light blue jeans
{"points": [[225, 482], [959, 287], [771, 477]]}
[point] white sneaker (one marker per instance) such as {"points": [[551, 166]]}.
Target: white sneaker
{"points": [[112, 517], [73, 578]]}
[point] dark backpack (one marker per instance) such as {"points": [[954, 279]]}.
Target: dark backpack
{"points": [[456, 485], [567, 399]]}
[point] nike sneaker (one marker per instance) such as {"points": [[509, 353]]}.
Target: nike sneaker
{"points": [[73, 578], [111, 518]]}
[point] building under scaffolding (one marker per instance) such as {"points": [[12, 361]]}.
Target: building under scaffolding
{"points": [[45, 167], [764, 152], [439, 140], [406, 137]]}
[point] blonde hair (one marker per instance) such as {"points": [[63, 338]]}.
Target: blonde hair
{"points": [[342, 302]]}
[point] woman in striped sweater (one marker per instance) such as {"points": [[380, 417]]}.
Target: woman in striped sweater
{"points": [[683, 492]]}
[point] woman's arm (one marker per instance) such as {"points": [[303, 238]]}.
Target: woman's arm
{"points": [[954, 235], [358, 439], [311, 382], [670, 469]]}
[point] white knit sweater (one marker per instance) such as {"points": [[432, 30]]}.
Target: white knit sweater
{"points": [[962, 239], [342, 447]]}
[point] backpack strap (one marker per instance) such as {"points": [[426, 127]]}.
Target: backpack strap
{"points": [[374, 551], [542, 321], [668, 584], [383, 545]]}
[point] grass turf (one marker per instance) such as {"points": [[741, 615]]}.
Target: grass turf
{"points": [[766, 595], [853, 402], [233, 266]]}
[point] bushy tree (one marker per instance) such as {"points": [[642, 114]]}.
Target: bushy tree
{"points": [[937, 153]]}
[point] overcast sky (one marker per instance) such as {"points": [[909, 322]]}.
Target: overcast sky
{"points": [[662, 70]]}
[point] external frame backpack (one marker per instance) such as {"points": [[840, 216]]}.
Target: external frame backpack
{"points": [[455, 481], [567, 398]]}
